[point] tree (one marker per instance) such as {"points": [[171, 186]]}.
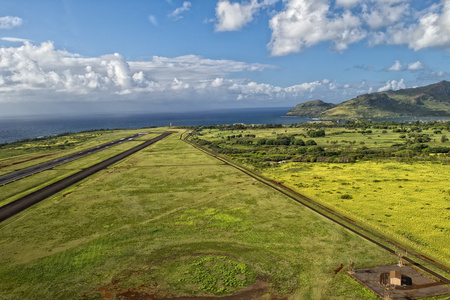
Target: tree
{"points": [[262, 141], [299, 142], [316, 133], [444, 138], [315, 149]]}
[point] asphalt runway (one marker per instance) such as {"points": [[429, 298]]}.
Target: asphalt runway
{"points": [[19, 205], [22, 173]]}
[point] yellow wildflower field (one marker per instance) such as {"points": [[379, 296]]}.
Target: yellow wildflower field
{"points": [[409, 202]]}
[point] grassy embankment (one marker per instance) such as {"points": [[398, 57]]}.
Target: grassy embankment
{"points": [[405, 195], [171, 220]]}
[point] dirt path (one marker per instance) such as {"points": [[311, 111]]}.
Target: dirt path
{"points": [[258, 290]]}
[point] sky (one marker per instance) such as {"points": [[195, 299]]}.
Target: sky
{"points": [[117, 56]]}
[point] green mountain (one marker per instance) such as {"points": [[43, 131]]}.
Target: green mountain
{"points": [[430, 100], [310, 109]]}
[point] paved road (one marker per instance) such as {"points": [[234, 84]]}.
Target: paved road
{"points": [[19, 174], [17, 206]]}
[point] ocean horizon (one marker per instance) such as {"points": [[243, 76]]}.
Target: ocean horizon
{"points": [[19, 128]]}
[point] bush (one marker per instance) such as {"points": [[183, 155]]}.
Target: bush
{"points": [[299, 142], [315, 133], [301, 150], [418, 147], [315, 149], [439, 149]]}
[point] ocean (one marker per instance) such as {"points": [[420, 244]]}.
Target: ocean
{"points": [[14, 129]]}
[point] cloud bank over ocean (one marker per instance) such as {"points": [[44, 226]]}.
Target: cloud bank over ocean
{"points": [[34, 72]]}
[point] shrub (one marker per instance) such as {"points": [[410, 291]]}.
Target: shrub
{"points": [[316, 133], [315, 149], [299, 142], [418, 147]]}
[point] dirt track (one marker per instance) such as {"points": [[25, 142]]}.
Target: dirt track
{"points": [[17, 206]]}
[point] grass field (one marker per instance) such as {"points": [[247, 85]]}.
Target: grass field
{"points": [[407, 202], [170, 220], [403, 193]]}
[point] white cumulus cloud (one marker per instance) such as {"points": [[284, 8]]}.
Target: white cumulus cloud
{"points": [[393, 85], [36, 73], [431, 29], [379, 14], [305, 23], [415, 66], [41, 71], [9, 22], [398, 66], [427, 28], [300, 24], [234, 16]]}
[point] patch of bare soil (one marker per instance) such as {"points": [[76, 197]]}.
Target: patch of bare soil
{"points": [[338, 269], [256, 291]]}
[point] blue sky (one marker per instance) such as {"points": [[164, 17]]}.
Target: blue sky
{"points": [[83, 56]]}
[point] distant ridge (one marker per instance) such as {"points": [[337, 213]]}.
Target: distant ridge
{"points": [[310, 109], [431, 100]]}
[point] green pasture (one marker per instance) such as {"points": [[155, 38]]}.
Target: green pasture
{"points": [[336, 137], [402, 190], [407, 202], [170, 220]]}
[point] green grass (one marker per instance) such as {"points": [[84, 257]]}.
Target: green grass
{"points": [[211, 274], [376, 139], [407, 202], [23, 154], [27, 185], [406, 198], [173, 221]]}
